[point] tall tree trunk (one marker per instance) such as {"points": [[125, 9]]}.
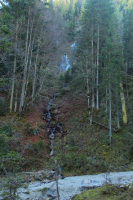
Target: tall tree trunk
{"points": [[88, 93], [110, 120], [30, 50], [92, 45], [25, 68], [14, 69], [106, 109], [117, 110], [16, 99], [118, 120], [35, 74], [110, 105], [126, 77], [97, 93], [123, 105]]}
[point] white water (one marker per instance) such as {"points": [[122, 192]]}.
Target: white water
{"points": [[73, 45], [64, 64]]}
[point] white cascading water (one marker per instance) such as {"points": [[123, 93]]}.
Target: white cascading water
{"points": [[64, 64], [73, 45]]}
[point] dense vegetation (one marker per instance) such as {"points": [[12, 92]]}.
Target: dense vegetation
{"points": [[93, 97]]}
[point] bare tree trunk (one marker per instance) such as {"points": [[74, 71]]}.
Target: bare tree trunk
{"points": [[123, 105], [126, 78], [117, 110], [106, 109], [97, 95], [57, 186], [88, 92], [16, 99], [118, 120], [110, 120], [14, 68], [92, 45], [35, 73], [25, 68], [30, 56]]}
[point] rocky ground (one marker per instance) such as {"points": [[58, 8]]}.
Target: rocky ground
{"points": [[69, 186]]}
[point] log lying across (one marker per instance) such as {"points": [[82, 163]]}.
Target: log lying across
{"points": [[103, 126]]}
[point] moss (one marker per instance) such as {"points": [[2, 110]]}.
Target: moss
{"points": [[43, 190], [106, 192]]}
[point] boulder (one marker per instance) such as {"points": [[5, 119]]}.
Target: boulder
{"points": [[52, 193], [89, 184]]}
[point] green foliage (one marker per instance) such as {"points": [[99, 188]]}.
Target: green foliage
{"points": [[43, 190], [33, 163], [4, 149], [10, 161], [107, 192], [28, 130], [5, 45], [10, 189], [72, 141], [38, 146], [7, 130]]}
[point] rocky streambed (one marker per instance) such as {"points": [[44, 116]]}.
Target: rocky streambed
{"points": [[69, 186]]}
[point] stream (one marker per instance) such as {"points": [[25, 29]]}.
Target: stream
{"points": [[54, 128]]}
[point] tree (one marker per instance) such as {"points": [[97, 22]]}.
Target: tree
{"points": [[100, 54]]}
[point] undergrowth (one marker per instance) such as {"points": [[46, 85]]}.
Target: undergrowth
{"points": [[86, 150], [107, 192]]}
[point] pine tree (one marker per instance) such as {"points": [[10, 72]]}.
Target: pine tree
{"points": [[102, 57]]}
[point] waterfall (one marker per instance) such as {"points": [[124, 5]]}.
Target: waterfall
{"points": [[64, 64]]}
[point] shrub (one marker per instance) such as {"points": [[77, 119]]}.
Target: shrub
{"points": [[28, 130], [11, 161], [7, 129], [4, 149], [10, 189], [38, 146]]}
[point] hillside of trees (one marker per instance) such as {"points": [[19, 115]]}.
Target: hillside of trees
{"points": [[89, 106]]}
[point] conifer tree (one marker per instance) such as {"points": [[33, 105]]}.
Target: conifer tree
{"points": [[101, 48]]}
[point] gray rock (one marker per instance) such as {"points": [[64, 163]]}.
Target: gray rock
{"points": [[52, 193], [29, 180], [36, 132], [89, 184], [22, 181]]}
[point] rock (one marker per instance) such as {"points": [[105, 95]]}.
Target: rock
{"points": [[36, 131], [89, 184], [53, 107], [52, 193], [44, 118], [38, 178], [52, 123], [43, 127], [29, 180], [58, 134], [22, 181], [51, 136], [56, 111]]}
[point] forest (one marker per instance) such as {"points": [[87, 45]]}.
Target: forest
{"points": [[66, 91]]}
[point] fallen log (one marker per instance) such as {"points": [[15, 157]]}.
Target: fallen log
{"points": [[103, 126]]}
